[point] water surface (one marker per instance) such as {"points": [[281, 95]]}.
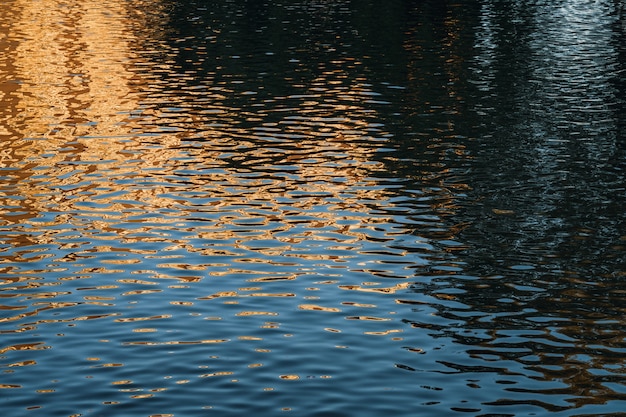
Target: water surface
{"points": [[312, 208]]}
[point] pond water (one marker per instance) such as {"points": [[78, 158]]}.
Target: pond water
{"points": [[312, 208]]}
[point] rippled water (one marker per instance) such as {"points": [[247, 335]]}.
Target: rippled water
{"points": [[312, 208]]}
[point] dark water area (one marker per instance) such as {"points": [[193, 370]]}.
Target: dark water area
{"points": [[312, 208]]}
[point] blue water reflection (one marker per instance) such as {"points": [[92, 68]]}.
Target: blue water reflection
{"points": [[312, 208]]}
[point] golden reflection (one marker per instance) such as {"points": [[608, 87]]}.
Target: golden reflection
{"points": [[133, 319], [270, 279], [70, 102], [136, 281], [212, 374], [318, 308], [384, 333], [93, 155], [23, 363], [3, 307], [367, 318], [108, 365], [220, 294], [178, 342], [223, 294], [256, 313], [285, 294], [122, 382], [142, 396], [50, 306], [385, 290], [25, 346], [182, 303], [290, 377], [350, 303]]}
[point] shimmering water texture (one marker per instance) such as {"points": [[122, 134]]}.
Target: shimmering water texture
{"points": [[312, 208]]}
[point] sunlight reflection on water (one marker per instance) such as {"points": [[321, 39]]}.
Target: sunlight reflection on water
{"points": [[264, 209]]}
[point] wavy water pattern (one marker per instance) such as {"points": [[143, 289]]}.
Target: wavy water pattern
{"points": [[312, 208]]}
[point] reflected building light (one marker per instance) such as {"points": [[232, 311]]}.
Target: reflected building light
{"points": [[73, 109], [320, 151], [485, 45], [132, 147]]}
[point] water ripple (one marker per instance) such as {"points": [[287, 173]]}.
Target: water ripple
{"points": [[311, 207]]}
